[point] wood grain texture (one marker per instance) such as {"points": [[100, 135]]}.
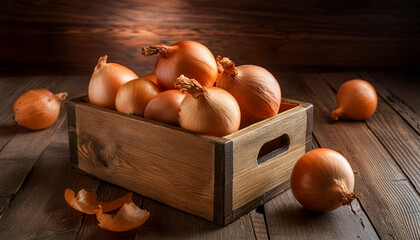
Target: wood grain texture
{"points": [[67, 37], [169, 223], [401, 91], [403, 85], [399, 138], [389, 199], [258, 224], [167, 165], [251, 180], [39, 210], [286, 219]]}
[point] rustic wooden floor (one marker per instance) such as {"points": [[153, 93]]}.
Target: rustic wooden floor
{"points": [[384, 152]]}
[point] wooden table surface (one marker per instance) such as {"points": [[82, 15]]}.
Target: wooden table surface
{"points": [[383, 151]]}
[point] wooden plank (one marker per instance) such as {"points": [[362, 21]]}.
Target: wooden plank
{"points": [[296, 34], [388, 198], [91, 230], [167, 165], [169, 223], [407, 91], [20, 153], [404, 87], [404, 98], [4, 204], [392, 131], [258, 224], [39, 210], [286, 219]]}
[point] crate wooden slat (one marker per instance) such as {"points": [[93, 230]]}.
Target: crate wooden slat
{"points": [[218, 179]]}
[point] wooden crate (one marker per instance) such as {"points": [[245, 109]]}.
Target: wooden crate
{"points": [[218, 179]]}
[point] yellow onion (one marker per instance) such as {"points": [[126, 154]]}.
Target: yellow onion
{"points": [[106, 79], [37, 109], [256, 90], [152, 77], [208, 110], [322, 180], [133, 96], [356, 99], [190, 58], [164, 107]]}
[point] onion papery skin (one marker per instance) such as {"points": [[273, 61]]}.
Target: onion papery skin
{"points": [[356, 99], [37, 109], [106, 79], [133, 96], [214, 111], [190, 58], [152, 77], [257, 91], [322, 180], [164, 107]]}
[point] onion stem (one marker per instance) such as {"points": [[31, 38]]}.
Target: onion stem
{"points": [[190, 86], [227, 65], [61, 96], [155, 49], [102, 61], [336, 113]]}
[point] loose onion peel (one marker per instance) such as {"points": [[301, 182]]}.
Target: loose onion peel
{"points": [[127, 218], [87, 202]]}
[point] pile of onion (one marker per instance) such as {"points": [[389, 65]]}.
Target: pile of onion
{"points": [[133, 96], [192, 59], [208, 110], [322, 180], [256, 90], [106, 79], [37, 109], [356, 99]]}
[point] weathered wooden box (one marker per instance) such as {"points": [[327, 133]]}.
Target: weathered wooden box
{"points": [[218, 179]]}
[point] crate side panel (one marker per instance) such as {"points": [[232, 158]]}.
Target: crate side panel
{"points": [[164, 164], [251, 180]]}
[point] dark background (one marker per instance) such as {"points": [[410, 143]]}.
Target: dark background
{"points": [[67, 37]]}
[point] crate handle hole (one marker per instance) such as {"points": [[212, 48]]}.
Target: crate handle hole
{"points": [[273, 148]]}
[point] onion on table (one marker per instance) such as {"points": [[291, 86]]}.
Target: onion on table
{"points": [[37, 109], [208, 110], [322, 180], [106, 79], [256, 90], [190, 58], [356, 99]]}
